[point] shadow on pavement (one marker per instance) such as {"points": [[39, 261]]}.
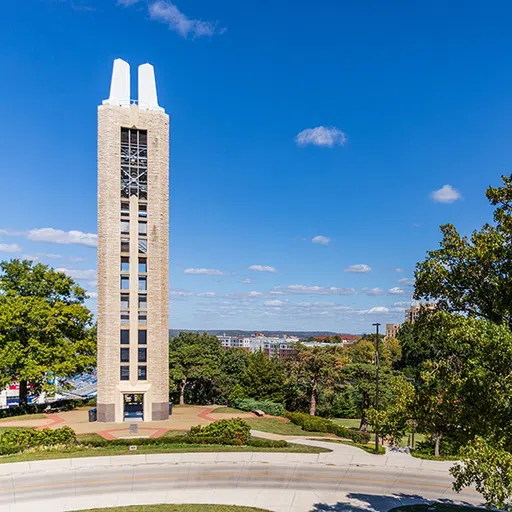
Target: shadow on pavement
{"points": [[358, 502]]}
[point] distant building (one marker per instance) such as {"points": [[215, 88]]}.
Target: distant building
{"points": [[412, 314], [392, 330], [281, 346]]}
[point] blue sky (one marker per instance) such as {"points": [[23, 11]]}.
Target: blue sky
{"points": [[290, 121]]}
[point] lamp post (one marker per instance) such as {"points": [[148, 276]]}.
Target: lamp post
{"points": [[376, 325]]}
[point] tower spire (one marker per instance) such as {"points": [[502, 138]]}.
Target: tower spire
{"points": [[120, 84]]}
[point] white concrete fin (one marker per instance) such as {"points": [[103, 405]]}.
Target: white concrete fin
{"points": [[148, 98], [120, 85]]}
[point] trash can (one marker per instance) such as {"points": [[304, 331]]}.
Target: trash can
{"points": [[170, 409], [92, 414]]}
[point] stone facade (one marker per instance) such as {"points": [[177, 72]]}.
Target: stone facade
{"points": [[111, 389]]}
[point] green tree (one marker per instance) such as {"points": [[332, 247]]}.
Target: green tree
{"points": [[193, 360], [233, 365], [315, 368], [44, 327], [264, 378], [473, 274], [488, 467]]}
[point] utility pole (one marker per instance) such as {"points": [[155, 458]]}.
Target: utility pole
{"points": [[376, 325]]}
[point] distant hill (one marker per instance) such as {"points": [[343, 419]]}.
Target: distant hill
{"points": [[235, 332]]}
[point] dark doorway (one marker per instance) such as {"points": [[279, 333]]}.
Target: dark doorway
{"points": [[134, 407]]}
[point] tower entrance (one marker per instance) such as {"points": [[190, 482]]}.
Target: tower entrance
{"points": [[133, 407]]}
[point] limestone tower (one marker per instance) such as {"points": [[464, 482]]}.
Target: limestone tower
{"points": [[133, 251]]}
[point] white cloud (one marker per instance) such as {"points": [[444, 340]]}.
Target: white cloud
{"points": [[208, 295], [361, 268], [300, 289], [273, 303], [166, 12], [276, 292], [446, 194], [323, 240], [246, 281], [92, 295], [89, 275], [399, 270], [256, 294], [377, 310], [30, 257], [10, 248], [321, 136], [57, 236], [262, 268], [396, 291], [203, 272], [127, 3], [373, 292], [401, 304], [406, 281]]}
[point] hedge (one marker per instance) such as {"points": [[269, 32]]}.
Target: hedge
{"points": [[236, 429], [26, 438], [317, 424], [248, 404], [58, 405]]}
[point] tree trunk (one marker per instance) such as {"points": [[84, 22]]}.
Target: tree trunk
{"points": [[312, 400], [437, 443], [363, 426], [23, 392], [182, 391]]}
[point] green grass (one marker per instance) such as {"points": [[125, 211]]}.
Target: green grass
{"points": [[77, 451], [229, 409], [23, 417], [347, 422], [425, 456], [370, 448], [275, 426], [435, 507], [177, 508]]}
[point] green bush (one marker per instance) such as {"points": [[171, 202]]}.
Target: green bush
{"points": [[59, 405], [31, 437], [317, 424], [248, 404], [267, 443], [235, 428]]}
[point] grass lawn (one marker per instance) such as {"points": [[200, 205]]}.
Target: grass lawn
{"points": [[432, 457], [77, 451], [435, 507], [177, 508], [23, 417], [232, 410], [370, 448], [347, 422], [284, 428]]}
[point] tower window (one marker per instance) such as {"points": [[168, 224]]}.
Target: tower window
{"points": [[125, 355], [143, 337], [142, 374], [125, 227], [125, 373], [143, 301], [143, 317], [142, 354], [143, 246], [125, 264], [125, 209], [143, 228], [134, 163], [125, 317], [143, 265], [143, 283], [125, 245], [125, 282], [125, 300], [143, 210], [125, 337]]}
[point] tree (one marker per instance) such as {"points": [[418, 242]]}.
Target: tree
{"points": [[233, 365], [44, 327], [488, 467], [473, 274], [264, 378], [316, 367], [193, 358]]}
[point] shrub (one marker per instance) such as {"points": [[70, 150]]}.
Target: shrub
{"points": [[317, 424], [58, 405], [26, 438], [235, 428], [248, 404], [267, 443]]}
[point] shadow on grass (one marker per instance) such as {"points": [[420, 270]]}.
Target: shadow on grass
{"points": [[359, 502]]}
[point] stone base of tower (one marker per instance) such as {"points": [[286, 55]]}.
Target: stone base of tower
{"points": [[106, 413], [160, 412]]}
